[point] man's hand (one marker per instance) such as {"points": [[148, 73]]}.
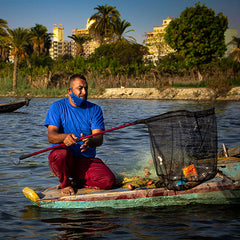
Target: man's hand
{"points": [[86, 143], [55, 137], [70, 140], [93, 141]]}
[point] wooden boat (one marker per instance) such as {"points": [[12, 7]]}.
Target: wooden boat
{"points": [[223, 189], [12, 106]]}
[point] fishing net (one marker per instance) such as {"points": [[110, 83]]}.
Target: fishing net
{"points": [[184, 147]]}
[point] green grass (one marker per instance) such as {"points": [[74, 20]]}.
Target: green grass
{"points": [[190, 85], [53, 92], [25, 89]]}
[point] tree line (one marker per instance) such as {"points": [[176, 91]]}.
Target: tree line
{"points": [[197, 38]]}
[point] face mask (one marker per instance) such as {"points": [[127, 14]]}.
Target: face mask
{"points": [[77, 100]]}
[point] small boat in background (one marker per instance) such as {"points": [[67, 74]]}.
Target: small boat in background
{"points": [[12, 106]]}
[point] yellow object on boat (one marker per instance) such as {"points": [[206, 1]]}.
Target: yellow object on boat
{"points": [[30, 194], [137, 182]]}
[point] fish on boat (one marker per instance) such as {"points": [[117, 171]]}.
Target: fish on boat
{"points": [[13, 106], [224, 188]]}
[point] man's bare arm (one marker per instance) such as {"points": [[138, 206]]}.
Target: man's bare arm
{"points": [[55, 137]]}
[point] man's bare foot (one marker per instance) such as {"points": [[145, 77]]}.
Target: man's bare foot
{"points": [[67, 191]]}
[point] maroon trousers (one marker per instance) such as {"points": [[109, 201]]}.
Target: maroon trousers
{"points": [[90, 172]]}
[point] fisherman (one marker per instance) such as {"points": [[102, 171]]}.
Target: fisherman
{"points": [[75, 163]]}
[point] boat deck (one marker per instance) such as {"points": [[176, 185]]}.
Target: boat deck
{"points": [[86, 194]]}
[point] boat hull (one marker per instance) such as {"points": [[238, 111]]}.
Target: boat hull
{"points": [[146, 198], [13, 106], [223, 189]]}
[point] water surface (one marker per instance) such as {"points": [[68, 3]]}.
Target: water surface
{"points": [[125, 150]]}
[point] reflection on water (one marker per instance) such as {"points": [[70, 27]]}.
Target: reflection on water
{"points": [[125, 150], [179, 222]]}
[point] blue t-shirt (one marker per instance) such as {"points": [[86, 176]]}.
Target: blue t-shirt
{"points": [[76, 120]]}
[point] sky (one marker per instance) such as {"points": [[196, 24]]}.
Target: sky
{"points": [[142, 14]]}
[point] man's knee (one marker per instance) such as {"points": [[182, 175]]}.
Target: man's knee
{"points": [[59, 155], [100, 175], [107, 182]]}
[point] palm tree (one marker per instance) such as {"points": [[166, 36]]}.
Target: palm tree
{"points": [[19, 39], [3, 23], [41, 39], [120, 28], [47, 43], [103, 25], [236, 54], [236, 51], [80, 40], [236, 40], [4, 48]]}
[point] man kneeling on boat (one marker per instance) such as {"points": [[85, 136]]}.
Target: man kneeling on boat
{"points": [[68, 119]]}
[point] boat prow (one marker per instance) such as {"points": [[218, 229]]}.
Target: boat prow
{"points": [[31, 194], [13, 106]]}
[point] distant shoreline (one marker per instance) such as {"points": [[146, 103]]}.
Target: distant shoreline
{"points": [[168, 93]]}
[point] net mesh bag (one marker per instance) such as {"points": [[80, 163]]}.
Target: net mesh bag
{"points": [[184, 147]]}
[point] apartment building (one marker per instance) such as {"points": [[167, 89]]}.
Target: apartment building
{"points": [[155, 41], [229, 36], [158, 48], [59, 47]]}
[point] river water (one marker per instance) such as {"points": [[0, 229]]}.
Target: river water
{"points": [[124, 150]]}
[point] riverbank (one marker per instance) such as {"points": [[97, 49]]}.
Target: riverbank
{"points": [[169, 93]]}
